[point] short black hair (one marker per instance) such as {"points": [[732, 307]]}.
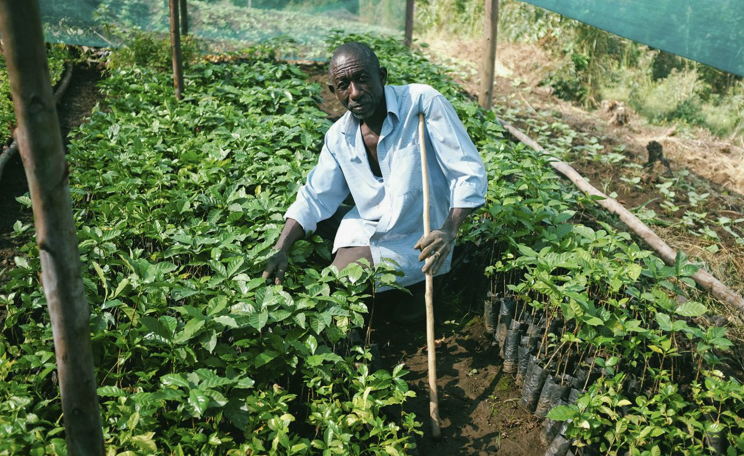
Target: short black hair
{"points": [[359, 50]]}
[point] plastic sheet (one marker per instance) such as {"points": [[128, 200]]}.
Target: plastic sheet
{"points": [[709, 32], [506, 313], [511, 350], [533, 384], [523, 358], [551, 429], [489, 315], [223, 25], [558, 447], [549, 396]]}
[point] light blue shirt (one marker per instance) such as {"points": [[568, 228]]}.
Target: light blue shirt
{"points": [[388, 212]]}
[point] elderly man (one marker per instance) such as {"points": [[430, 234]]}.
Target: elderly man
{"points": [[372, 153]]}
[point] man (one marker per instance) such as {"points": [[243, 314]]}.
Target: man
{"points": [[373, 152]]}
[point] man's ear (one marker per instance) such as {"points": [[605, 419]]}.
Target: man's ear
{"points": [[383, 75], [332, 89]]}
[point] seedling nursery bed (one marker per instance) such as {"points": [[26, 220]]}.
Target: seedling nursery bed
{"points": [[549, 312]]}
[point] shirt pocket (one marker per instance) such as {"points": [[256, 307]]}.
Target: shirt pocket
{"points": [[405, 171]]}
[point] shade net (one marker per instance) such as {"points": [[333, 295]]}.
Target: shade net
{"points": [[708, 31], [223, 24]]}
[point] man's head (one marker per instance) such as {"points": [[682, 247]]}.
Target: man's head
{"points": [[357, 80]]}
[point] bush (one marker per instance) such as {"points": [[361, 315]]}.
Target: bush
{"points": [[151, 50]]}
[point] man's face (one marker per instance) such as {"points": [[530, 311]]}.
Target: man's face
{"points": [[357, 85]]}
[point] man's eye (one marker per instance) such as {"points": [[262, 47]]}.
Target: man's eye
{"points": [[363, 78], [343, 86]]}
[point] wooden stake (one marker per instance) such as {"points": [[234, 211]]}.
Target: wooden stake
{"points": [[184, 18], [43, 155], [409, 23], [430, 344], [176, 49], [488, 63]]}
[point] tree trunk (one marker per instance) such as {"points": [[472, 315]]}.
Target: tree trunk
{"points": [[40, 144], [488, 63], [176, 49], [703, 278], [409, 23]]}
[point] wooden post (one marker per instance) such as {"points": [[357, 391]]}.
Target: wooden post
{"points": [[43, 155], [488, 63], [184, 18], [176, 49], [409, 23]]}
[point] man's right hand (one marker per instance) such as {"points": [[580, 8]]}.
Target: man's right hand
{"points": [[276, 266]]}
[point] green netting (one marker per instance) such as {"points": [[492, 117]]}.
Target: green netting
{"points": [[708, 31], [224, 24]]}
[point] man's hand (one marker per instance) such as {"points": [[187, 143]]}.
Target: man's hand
{"points": [[276, 265], [435, 247]]}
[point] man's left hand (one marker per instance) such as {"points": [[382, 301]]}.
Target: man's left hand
{"points": [[434, 247]]}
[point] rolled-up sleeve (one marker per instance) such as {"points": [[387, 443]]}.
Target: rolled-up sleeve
{"points": [[456, 154], [325, 190]]}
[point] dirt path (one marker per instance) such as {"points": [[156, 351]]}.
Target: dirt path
{"points": [[78, 101]]}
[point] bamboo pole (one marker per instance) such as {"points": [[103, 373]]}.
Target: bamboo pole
{"points": [[176, 49], [409, 23], [184, 18], [703, 278], [430, 344], [43, 155], [488, 62]]}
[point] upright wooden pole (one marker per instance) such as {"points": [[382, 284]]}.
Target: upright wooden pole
{"points": [[488, 63], [184, 18], [43, 155], [176, 49], [431, 346], [409, 23]]}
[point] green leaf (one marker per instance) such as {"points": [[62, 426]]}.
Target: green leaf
{"points": [[199, 401], [664, 321], [563, 413], [227, 321], [175, 380], [234, 265], [691, 309], [145, 442], [158, 328], [258, 320], [189, 331], [111, 391], [265, 357]]}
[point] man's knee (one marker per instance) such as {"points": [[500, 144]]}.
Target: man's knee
{"points": [[347, 255]]}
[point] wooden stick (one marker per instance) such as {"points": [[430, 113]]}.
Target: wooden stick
{"points": [[488, 62], [430, 344], [703, 278], [184, 18], [408, 41], [40, 144], [176, 49]]}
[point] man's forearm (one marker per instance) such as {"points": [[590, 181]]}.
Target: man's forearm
{"points": [[456, 216], [291, 233]]}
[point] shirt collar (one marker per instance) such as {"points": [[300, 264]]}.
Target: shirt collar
{"points": [[391, 101]]}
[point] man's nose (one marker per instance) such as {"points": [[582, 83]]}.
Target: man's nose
{"points": [[354, 91]]}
